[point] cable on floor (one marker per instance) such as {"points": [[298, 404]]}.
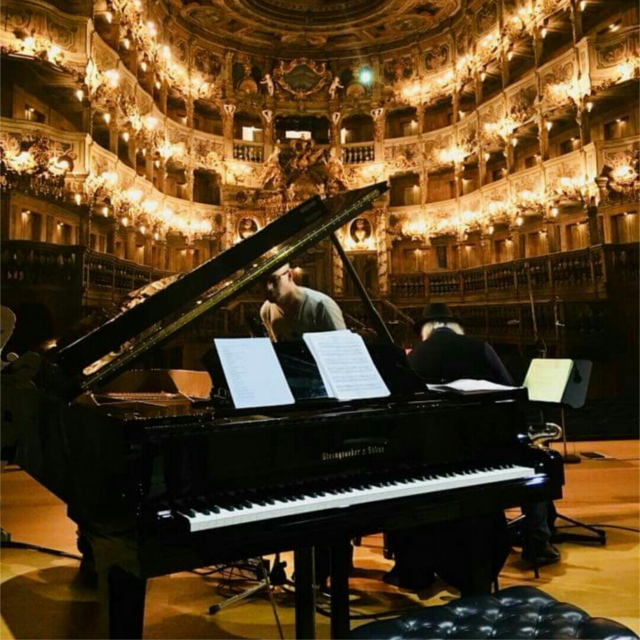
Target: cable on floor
{"points": [[12, 544]]}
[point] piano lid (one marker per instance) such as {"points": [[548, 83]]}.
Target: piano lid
{"points": [[103, 353]]}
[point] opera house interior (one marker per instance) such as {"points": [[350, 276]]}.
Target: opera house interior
{"points": [[159, 159]]}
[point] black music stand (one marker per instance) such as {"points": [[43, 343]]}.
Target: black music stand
{"points": [[563, 383]]}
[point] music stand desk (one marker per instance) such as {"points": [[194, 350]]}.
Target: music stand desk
{"points": [[574, 394]]}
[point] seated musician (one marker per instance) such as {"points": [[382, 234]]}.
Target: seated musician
{"points": [[291, 310], [446, 354]]}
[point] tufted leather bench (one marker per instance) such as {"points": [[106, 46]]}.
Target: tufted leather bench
{"points": [[515, 612]]}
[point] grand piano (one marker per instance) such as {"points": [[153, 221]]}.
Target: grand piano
{"points": [[175, 483]]}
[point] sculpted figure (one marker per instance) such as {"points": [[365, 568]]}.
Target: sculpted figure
{"points": [[268, 81], [334, 86]]}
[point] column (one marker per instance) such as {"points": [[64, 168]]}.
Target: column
{"points": [[84, 225], [424, 186], [113, 130], [592, 223], [130, 244], [543, 134], [161, 259], [163, 93], [148, 165], [505, 71], [420, 118], [457, 172], [510, 153], [337, 273], [576, 21], [482, 166], [550, 229], [229, 224], [228, 112], [376, 91], [131, 149], [478, 87], [334, 132], [268, 135], [382, 251], [87, 116], [583, 118], [538, 45], [228, 74], [190, 110], [518, 239], [455, 99], [379, 120]]}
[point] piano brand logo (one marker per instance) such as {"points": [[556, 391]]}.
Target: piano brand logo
{"points": [[370, 450]]}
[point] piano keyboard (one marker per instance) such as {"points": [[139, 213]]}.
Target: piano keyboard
{"points": [[253, 506]]}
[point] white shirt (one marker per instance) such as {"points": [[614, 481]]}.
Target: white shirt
{"points": [[316, 312]]}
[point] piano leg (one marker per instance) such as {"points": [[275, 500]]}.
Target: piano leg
{"points": [[305, 593], [121, 601], [340, 564]]}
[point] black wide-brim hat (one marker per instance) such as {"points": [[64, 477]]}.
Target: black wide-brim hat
{"points": [[434, 312]]}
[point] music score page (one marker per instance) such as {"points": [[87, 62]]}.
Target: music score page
{"points": [[346, 368], [253, 372]]}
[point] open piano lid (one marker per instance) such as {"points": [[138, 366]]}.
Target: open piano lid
{"points": [[103, 353]]}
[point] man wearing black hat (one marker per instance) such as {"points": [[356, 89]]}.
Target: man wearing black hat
{"points": [[446, 354]]}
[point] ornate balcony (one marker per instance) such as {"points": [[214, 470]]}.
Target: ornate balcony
{"points": [[579, 274]]}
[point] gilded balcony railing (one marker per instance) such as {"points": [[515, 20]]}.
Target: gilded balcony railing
{"points": [[589, 270], [71, 268]]}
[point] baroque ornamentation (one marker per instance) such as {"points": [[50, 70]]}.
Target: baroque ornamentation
{"points": [[302, 77]]}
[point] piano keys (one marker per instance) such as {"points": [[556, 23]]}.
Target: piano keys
{"points": [[285, 500], [160, 482]]}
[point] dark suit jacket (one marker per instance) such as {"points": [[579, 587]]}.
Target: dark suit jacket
{"points": [[447, 356]]}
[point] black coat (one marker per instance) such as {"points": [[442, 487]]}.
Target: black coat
{"points": [[447, 356]]}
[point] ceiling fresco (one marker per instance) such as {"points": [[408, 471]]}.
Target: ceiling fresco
{"points": [[338, 27]]}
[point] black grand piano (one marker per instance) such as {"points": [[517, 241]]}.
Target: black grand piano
{"points": [[175, 484]]}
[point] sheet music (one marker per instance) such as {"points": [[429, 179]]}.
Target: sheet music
{"points": [[253, 372], [347, 371], [468, 386], [547, 379]]}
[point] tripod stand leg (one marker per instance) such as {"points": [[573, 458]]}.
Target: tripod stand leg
{"points": [[599, 536], [271, 600], [229, 602]]}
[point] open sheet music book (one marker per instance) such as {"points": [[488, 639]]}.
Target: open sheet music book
{"points": [[255, 376], [346, 368], [467, 386]]}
